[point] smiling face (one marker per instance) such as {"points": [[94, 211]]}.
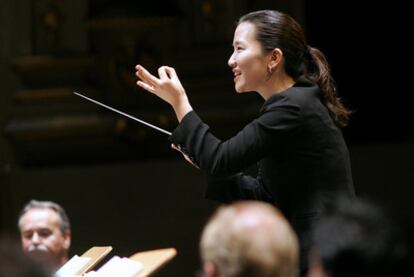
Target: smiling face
{"points": [[248, 62]]}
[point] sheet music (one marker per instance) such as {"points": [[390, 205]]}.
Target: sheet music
{"points": [[71, 267], [120, 267]]}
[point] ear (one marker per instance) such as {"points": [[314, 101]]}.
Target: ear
{"points": [[210, 270], [66, 240], [275, 58]]}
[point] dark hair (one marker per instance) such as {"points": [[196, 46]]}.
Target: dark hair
{"points": [[35, 204], [278, 30], [355, 238]]}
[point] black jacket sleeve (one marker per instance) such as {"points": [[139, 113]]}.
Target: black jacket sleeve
{"points": [[262, 136]]}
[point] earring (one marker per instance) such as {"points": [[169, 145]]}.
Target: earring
{"points": [[269, 69]]}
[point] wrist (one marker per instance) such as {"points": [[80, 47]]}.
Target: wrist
{"points": [[182, 107]]}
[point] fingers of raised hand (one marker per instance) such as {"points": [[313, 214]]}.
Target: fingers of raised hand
{"points": [[146, 86], [171, 73], [145, 76], [162, 72]]}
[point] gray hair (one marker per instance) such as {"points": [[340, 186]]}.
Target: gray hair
{"points": [[35, 204]]}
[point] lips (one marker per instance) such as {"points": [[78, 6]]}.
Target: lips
{"points": [[236, 74]]}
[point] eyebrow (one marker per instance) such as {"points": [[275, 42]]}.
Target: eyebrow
{"points": [[238, 42]]}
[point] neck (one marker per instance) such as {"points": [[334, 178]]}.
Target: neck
{"points": [[60, 262], [277, 83]]}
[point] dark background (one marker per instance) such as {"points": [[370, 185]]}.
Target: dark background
{"points": [[120, 182]]}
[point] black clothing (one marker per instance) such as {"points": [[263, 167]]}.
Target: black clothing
{"points": [[302, 158]]}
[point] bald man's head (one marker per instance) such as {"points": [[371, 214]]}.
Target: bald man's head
{"points": [[249, 238]]}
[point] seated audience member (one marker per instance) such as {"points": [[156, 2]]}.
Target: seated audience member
{"points": [[13, 263], [354, 238], [45, 233], [249, 238]]}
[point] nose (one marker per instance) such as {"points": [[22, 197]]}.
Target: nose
{"points": [[35, 238], [231, 62]]}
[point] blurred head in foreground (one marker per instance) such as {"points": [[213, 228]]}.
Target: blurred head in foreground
{"points": [[249, 238], [354, 238]]}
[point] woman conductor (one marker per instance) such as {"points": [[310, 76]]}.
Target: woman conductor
{"points": [[302, 158]]}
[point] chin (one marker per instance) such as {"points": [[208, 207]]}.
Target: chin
{"points": [[239, 89]]}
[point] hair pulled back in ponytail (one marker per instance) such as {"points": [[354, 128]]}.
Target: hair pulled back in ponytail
{"points": [[319, 71]]}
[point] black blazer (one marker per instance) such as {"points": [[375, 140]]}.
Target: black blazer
{"points": [[302, 158]]}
